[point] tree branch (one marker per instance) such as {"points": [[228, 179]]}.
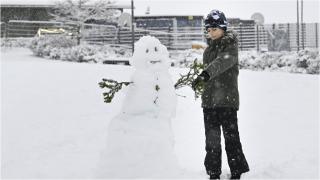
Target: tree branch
{"points": [[186, 80], [112, 87]]}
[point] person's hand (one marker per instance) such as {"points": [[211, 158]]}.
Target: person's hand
{"points": [[203, 77], [196, 82]]}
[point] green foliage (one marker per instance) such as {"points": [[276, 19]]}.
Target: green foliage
{"points": [[112, 87], [157, 87], [186, 80]]}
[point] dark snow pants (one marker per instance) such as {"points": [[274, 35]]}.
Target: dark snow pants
{"points": [[227, 118]]}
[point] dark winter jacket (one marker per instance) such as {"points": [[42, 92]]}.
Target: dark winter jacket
{"points": [[221, 63]]}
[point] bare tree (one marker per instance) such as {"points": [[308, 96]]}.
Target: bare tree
{"points": [[77, 12], [278, 40]]}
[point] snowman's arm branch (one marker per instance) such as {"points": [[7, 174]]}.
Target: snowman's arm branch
{"points": [[112, 87], [184, 80]]}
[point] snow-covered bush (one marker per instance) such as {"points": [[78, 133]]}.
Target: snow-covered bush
{"points": [[15, 42], [185, 58], [83, 54], [313, 67], [310, 60], [304, 61], [63, 48], [54, 53], [45, 45]]}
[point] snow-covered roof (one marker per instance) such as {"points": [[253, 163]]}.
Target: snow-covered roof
{"points": [[48, 3], [27, 2], [171, 15]]}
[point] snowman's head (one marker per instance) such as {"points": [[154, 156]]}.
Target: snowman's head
{"points": [[150, 54]]}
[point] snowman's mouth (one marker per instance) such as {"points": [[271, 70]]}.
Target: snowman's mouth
{"points": [[155, 62]]}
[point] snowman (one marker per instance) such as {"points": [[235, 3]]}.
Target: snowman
{"points": [[140, 141]]}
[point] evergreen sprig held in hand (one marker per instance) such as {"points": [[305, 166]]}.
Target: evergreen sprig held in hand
{"points": [[186, 80]]}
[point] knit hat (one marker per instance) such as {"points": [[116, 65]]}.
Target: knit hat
{"points": [[216, 19]]}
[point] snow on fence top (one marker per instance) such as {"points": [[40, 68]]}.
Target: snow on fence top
{"points": [[34, 22]]}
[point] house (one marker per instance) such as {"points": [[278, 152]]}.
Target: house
{"points": [[22, 10], [173, 21], [24, 18]]}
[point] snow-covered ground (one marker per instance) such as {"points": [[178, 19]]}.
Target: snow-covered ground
{"points": [[54, 120]]}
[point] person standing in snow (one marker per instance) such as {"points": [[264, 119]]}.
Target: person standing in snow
{"points": [[220, 98]]}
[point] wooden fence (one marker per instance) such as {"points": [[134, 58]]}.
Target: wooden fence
{"points": [[251, 37]]}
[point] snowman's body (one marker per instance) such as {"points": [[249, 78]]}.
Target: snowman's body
{"points": [[140, 139], [151, 92]]}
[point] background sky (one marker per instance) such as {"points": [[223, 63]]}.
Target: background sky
{"points": [[282, 11], [274, 11]]}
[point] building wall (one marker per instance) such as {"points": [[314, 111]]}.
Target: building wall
{"points": [[168, 21], [154, 22], [24, 13], [190, 21]]}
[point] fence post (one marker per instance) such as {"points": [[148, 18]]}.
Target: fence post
{"points": [[118, 34], [145, 30], [5, 31], [288, 32], [169, 38], [258, 41], [132, 26], [298, 29], [317, 43], [273, 40], [240, 26], [303, 34], [78, 34]]}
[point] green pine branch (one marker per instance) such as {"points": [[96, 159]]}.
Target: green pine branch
{"points": [[112, 87], [195, 69], [186, 80]]}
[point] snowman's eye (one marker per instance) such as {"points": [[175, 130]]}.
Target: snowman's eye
{"points": [[147, 50], [155, 49]]}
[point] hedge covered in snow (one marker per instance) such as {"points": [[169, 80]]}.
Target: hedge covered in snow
{"points": [[15, 42], [65, 48], [61, 47], [45, 46], [305, 61]]}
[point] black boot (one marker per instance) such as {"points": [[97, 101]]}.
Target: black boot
{"points": [[214, 176], [235, 176]]}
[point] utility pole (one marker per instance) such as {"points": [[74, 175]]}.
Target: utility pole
{"points": [[317, 36], [302, 25], [132, 25], [298, 26]]}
